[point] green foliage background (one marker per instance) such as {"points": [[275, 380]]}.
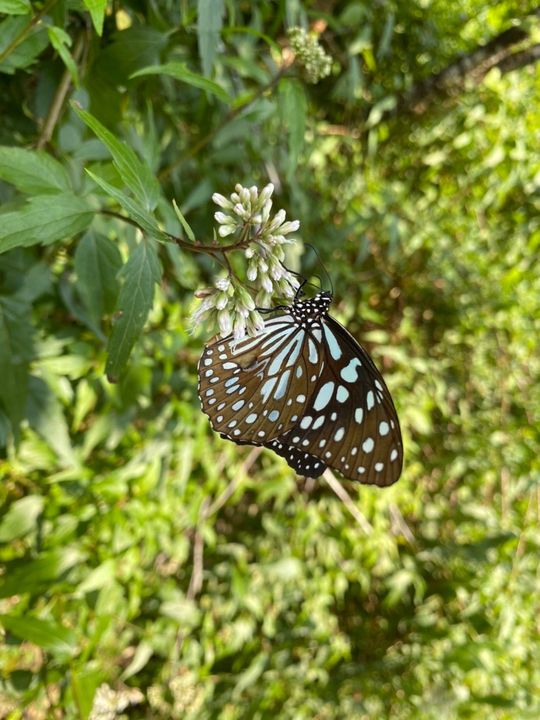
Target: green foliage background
{"points": [[428, 220]]}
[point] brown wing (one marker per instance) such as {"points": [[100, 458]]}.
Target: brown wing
{"points": [[258, 388], [351, 423]]}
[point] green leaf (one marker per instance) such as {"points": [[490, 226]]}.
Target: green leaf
{"points": [[97, 262], [44, 219], [187, 227], [135, 211], [84, 684], [251, 675], [142, 655], [97, 9], [60, 41], [46, 416], [19, 47], [23, 576], [32, 171], [141, 272], [134, 172], [179, 71], [15, 7], [101, 576], [21, 518], [16, 351], [294, 111], [209, 24], [50, 636]]}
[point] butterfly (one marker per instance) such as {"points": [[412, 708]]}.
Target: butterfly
{"points": [[307, 390]]}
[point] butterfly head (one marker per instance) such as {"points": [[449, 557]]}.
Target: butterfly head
{"points": [[308, 311]]}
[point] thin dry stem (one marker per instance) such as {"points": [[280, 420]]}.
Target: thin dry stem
{"points": [[346, 499]]}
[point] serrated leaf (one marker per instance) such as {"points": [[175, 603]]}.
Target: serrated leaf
{"points": [[17, 55], [48, 635], [294, 111], [97, 262], [179, 71], [134, 172], [15, 7], [209, 24], [21, 518], [137, 213], [44, 219], [22, 576], [32, 171], [97, 9], [141, 272], [16, 351], [61, 41]]}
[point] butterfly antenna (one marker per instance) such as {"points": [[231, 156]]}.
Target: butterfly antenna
{"points": [[309, 245], [301, 278]]}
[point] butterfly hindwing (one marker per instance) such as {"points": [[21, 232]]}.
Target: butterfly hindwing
{"points": [[350, 424], [301, 462]]}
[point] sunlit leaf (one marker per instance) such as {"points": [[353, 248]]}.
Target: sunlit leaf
{"points": [[50, 636], [97, 9]]}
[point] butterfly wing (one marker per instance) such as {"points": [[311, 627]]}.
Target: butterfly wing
{"points": [[350, 423], [257, 388], [301, 462]]}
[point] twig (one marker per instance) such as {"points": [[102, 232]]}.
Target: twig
{"points": [[399, 523], [210, 249], [346, 499], [196, 580], [231, 487], [60, 97]]}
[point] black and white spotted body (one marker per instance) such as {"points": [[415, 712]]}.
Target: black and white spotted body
{"points": [[306, 389]]}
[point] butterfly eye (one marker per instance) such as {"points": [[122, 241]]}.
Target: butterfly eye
{"points": [[304, 388]]}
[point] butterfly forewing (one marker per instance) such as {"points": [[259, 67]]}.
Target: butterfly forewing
{"points": [[350, 424], [256, 389]]}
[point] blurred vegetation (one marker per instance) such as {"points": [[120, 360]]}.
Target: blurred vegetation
{"points": [[150, 568]]}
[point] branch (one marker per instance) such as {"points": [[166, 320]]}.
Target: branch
{"points": [[346, 499], [57, 104], [475, 64], [519, 59]]}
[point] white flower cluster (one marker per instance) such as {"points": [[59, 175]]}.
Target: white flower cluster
{"points": [[109, 704], [316, 63], [247, 217]]}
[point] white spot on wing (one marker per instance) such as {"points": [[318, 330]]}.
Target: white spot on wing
{"points": [[368, 445]]}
